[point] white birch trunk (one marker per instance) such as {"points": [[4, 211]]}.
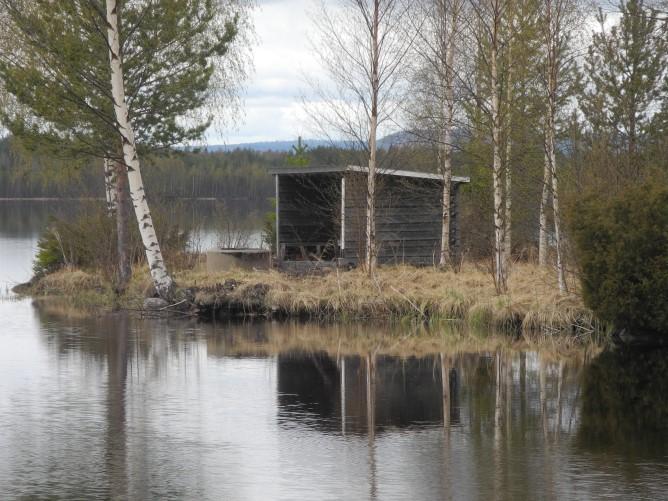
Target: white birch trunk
{"points": [[373, 132], [555, 206], [448, 114], [371, 200], [507, 230], [446, 201], [542, 224], [110, 185], [552, 89], [547, 169], [499, 264], [161, 279]]}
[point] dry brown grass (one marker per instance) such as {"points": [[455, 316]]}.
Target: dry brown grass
{"points": [[67, 282], [428, 310], [88, 290], [532, 304]]}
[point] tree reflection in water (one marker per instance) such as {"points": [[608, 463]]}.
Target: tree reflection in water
{"points": [[625, 403], [271, 410], [117, 372]]}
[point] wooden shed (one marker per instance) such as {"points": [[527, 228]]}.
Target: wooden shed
{"points": [[321, 215]]}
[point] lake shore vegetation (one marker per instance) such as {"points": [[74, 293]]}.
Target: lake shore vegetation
{"points": [[398, 293]]}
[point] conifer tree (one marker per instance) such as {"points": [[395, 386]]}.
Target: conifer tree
{"points": [[58, 75], [298, 157], [623, 71]]}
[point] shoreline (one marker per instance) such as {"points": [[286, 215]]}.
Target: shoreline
{"points": [[99, 199], [467, 298], [51, 199]]}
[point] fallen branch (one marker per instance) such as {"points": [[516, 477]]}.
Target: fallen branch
{"points": [[172, 305], [409, 301]]}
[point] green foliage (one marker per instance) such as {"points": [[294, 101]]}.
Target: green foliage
{"points": [[57, 72], [89, 241], [299, 156], [624, 70], [622, 251], [50, 254]]}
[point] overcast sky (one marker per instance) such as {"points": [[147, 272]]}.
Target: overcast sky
{"points": [[272, 108]]}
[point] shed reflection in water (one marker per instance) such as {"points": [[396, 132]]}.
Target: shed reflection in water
{"points": [[359, 394], [115, 407]]}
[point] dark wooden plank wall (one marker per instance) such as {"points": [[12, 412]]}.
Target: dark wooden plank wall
{"points": [[408, 219], [309, 210]]}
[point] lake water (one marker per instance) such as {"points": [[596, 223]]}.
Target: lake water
{"points": [[120, 407]]}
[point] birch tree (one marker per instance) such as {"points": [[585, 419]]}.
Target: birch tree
{"points": [[508, 168], [182, 60], [486, 29], [495, 12], [161, 279], [362, 47], [559, 19], [544, 201], [438, 24]]}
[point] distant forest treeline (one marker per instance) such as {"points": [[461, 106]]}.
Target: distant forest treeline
{"points": [[225, 175], [241, 174]]}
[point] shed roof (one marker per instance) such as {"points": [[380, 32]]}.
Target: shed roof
{"points": [[363, 170]]}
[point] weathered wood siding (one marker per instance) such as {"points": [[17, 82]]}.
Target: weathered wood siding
{"points": [[308, 210], [408, 219]]}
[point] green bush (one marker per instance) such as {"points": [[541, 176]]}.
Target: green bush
{"points": [[622, 251], [85, 242], [89, 241], [50, 255]]}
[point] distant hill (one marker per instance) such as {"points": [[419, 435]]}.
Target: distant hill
{"points": [[278, 146], [398, 138]]}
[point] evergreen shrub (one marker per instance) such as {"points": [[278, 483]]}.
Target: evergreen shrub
{"points": [[621, 248]]}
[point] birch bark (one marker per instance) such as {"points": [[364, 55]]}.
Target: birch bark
{"points": [[499, 263], [448, 39], [162, 281], [446, 253], [553, 27], [561, 274], [371, 200], [110, 185], [507, 217], [371, 260], [542, 224]]}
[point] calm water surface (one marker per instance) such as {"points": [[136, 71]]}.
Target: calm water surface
{"points": [[124, 408]]}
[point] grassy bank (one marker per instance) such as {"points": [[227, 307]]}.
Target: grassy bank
{"points": [[533, 304]]}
